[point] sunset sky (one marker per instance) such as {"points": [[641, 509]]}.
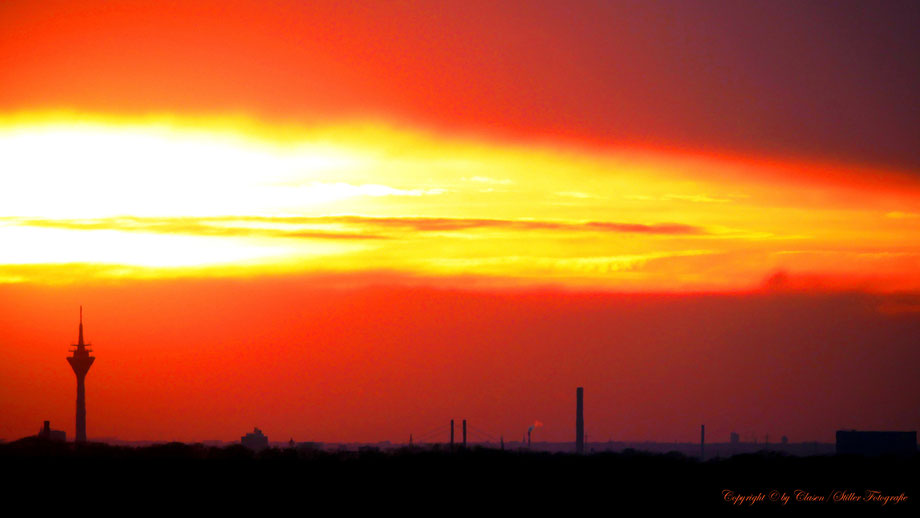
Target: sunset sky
{"points": [[348, 221]]}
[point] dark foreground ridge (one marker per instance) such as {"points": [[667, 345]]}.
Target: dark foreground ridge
{"points": [[506, 479]]}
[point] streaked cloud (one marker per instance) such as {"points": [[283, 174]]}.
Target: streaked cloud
{"points": [[341, 190], [574, 194], [244, 195], [486, 179], [695, 198], [580, 265], [903, 215], [321, 227]]}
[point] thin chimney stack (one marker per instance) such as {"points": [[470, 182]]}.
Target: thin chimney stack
{"points": [[702, 441], [579, 421]]}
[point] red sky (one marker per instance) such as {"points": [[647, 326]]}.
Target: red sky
{"points": [[356, 221], [778, 78], [312, 359]]}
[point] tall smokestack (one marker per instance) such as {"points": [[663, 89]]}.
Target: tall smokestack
{"points": [[580, 421], [702, 441], [451, 434], [80, 361], [464, 433]]}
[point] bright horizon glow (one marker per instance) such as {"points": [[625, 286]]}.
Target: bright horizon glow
{"points": [[232, 196]]}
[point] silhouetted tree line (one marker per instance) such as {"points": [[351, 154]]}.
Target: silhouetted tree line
{"points": [[437, 474]]}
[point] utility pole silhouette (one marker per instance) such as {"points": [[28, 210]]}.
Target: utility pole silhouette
{"points": [[80, 362]]}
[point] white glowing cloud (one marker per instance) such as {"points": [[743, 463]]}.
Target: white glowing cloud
{"points": [[98, 172]]}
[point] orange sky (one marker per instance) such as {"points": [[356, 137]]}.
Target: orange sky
{"points": [[340, 207], [170, 197]]}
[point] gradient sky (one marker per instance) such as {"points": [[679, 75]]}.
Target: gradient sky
{"points": [[352, 221]]}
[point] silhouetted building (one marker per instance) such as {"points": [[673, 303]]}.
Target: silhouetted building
{"points": [[310, 446], [80, 362], [734, 438], [255, 440], [876, 443], [52, 435]]}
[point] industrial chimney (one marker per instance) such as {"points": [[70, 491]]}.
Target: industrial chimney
{"points": [[702, 441], [579, 421]]}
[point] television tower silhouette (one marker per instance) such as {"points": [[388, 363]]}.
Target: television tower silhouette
{"points": [[80, 362]]}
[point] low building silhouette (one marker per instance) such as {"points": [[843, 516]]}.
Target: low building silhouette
{"points": [[310, 446], [255, 440], [52, 435], [853, 442]]}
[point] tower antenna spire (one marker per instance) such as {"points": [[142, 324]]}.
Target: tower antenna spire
{"points": [[80, 361]]}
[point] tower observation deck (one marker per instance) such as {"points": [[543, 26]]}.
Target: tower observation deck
{"points": [[80, 361]]}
